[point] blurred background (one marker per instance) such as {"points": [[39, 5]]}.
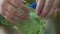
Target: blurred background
{"points": [[53, 23]]}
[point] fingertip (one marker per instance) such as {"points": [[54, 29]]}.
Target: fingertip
{"points": [[40, 5]]}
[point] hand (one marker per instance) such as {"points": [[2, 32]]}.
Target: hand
{"points": [[46, 7], [10, 10]]}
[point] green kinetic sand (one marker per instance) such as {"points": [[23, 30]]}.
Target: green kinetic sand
{"points": [[34, 25]]}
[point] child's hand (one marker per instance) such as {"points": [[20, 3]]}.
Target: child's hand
{"points": [[46, 7], [10, 11]]}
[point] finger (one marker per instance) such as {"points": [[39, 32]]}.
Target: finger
{"points": [[47, 7], [9, 16], [10, 8], [14, 11], [18, 4], [39, 7], [54, 7]]}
